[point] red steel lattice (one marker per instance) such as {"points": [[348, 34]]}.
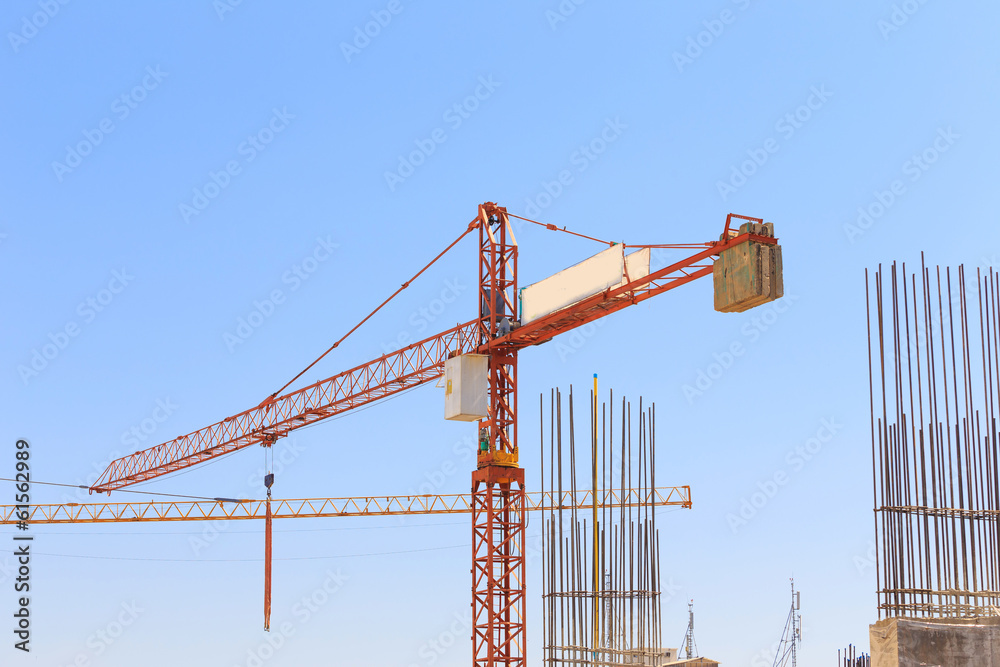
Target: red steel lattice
{"points": [[498, 567], [390, 374]]}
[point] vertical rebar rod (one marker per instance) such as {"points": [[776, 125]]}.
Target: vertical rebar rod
{"points": [[935, 458]]}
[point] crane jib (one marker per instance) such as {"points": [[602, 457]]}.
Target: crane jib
{"points": [[400, 370]]}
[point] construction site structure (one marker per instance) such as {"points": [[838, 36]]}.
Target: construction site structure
{"points": [[747, 273], [689, 644], [850, 657], [934, 386], [791, 636], [601, 582]]}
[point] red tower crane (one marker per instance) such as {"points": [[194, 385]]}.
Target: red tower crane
{"points": [[751, 275]]}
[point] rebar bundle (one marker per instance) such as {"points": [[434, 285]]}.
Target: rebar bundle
{"points": [[934, 387], [849, 657], [601, 580]]}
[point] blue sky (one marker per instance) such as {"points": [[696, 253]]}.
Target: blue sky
{"points": [[168, 168]]}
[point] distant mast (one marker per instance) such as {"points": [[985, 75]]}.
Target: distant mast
{"points": [[690, 647], [791, 637]]}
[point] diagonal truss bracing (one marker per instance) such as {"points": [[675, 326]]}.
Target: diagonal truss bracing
{"points": [[678, 496]]}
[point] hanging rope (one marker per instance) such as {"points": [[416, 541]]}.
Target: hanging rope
{"points": [[267, 565], [268, 481]]}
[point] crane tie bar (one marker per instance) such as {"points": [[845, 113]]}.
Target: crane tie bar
{"points": [[472, 225]]}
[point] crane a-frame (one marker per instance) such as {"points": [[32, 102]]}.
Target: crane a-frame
{"points": [[498, 501]]}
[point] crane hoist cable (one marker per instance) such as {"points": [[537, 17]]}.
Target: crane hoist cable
{"points": [[549, 226], [145, 493], [560, 229]]}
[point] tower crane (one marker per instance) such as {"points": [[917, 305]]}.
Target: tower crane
{"points": [[747, 273]]}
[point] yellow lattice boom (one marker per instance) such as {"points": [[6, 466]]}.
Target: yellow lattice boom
{"points": [[679, 496]]}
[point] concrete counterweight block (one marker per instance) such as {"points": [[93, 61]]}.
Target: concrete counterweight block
{"points": [[748, 274]]}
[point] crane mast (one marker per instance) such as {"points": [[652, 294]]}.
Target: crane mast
{"points": [[498, 493]]}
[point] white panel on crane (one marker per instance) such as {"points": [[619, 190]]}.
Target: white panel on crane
{"points": [[466, 383], [636, 265], [589, 277]]}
